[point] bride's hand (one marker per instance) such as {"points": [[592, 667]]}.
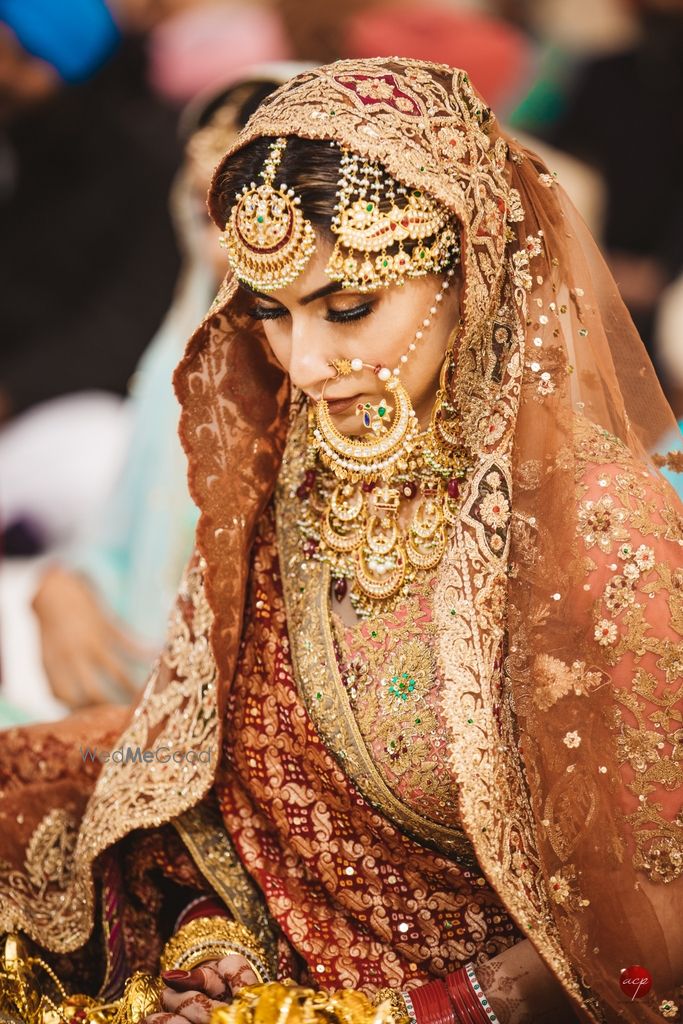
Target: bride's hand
{"points": [[193, 995]]}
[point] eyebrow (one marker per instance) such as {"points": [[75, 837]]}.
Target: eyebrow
{"points": [[319, 293]]}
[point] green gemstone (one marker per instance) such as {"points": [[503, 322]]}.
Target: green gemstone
{"points": [[416, 192], [417, 721], [385, 263], [370, 207], [381, 411], [260, 220], [470, 720]]}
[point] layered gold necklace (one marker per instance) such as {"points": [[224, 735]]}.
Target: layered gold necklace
{"points": [[381, 538]]}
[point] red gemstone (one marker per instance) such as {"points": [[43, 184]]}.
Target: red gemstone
{"points": [[309, 477], [453, 488], [368, 486], [310, 547], [339, 589]]}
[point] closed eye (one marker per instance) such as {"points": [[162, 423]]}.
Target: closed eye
{"points": [[266, 312], [335, 316], [342, 316]]}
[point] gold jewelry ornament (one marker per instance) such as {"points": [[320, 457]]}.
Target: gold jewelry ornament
{"points": [[288, 1003], [399, 1012], [379, 511], [375, 214], [31, 993], [210, 938], [267, 238]]}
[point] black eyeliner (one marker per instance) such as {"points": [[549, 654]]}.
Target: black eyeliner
{"points": [[340, 316]]}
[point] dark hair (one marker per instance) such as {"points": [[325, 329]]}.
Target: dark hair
{"points": [[309, 166]]}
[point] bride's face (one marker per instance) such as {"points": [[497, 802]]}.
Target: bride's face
{"points": [[314, 321]]}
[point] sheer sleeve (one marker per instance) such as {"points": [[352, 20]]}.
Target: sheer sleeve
{"points": [[632, 547]]}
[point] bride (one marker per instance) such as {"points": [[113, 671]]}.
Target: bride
{"points": [[417, 724]]}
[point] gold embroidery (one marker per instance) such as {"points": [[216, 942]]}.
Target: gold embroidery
{"points": [[52, 899], [639, 626]]}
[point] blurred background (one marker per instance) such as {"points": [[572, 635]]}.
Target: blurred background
{"points": [[112, 115]]}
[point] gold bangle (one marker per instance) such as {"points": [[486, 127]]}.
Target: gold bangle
{"points": [[210, 938], [399, 1011]]}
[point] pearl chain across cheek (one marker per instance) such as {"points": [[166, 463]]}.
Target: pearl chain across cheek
{"points": [[346, 366]]}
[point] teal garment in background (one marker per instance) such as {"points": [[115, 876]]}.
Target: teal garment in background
{"points": [[136, 552], [9, 715], [675, 479]]}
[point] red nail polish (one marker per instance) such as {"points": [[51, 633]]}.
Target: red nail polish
{"points": [[175, 975]]}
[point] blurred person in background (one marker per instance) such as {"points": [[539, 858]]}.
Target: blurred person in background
{"points": [[624, 109], [102, 603], [88, 155]]}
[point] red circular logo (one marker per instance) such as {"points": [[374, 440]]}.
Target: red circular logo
{"points": [[635, 981]]}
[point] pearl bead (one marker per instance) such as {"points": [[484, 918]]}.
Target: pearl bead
{"points": [[433, 310], [426, 322], [412, 346], [397, 372], [439, 297], [404, 359], [418, 334], [384, 373], [356, 365]]}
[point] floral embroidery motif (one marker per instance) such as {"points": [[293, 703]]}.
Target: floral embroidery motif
{"points": [[380, 89], [605, 632], [601, 523]]}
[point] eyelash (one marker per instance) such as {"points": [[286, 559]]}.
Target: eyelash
{"points": [[340, 316]]}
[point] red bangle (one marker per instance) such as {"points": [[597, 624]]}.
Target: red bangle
{"points": [[462, 993], [432, 1004], [208, 906], [459, 999]]}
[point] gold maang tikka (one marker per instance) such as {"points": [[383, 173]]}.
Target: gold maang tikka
{"points": [[267, 238]]}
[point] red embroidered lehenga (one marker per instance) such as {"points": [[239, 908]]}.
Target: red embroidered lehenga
{"points": [[528, 786]]}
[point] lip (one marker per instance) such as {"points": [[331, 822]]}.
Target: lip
{"points": [[342, 404]]}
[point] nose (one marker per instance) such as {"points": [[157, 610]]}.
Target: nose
{"points": [[309, 362]]}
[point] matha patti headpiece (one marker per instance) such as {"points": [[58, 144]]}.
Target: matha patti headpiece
{"points": [[269, 241], [367, 229], [267, 238]]}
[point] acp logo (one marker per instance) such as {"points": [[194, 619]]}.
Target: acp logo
{"points": [[635, 981]]}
